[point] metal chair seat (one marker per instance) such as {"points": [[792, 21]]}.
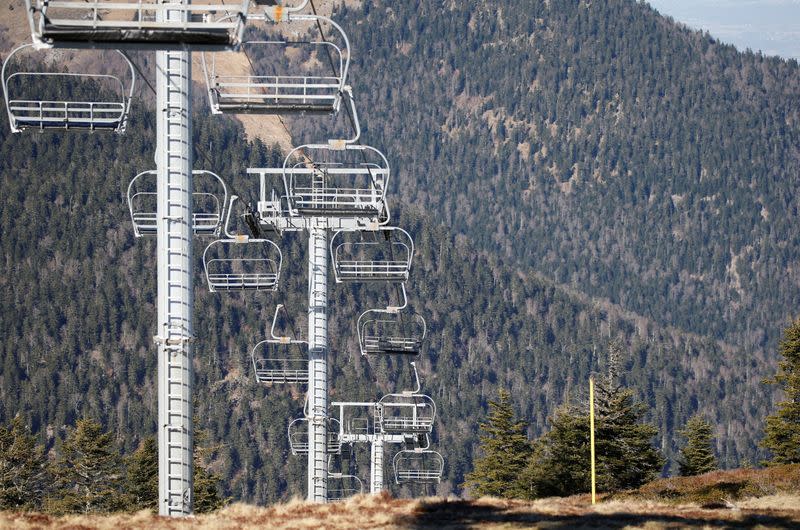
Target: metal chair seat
{"points": [[242, 281], [421, 466], [208, 208], [392, 345]]}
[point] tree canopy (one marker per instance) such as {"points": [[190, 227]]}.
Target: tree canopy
{"points": [[697, 456], [782, 431], [505, 450]]}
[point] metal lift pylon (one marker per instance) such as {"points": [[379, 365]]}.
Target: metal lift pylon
{"points": [[376, 466], [172, 28], [318, 361], [175, 290]]}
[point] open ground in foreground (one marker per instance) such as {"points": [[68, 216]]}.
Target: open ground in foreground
{"points": [[776, 511]]}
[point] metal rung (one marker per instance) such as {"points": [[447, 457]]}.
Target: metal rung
{"points": [[173, 427]]}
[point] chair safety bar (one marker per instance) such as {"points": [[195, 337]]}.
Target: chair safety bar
{"points": [[31, 106]]}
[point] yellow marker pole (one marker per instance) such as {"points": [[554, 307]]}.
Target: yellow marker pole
{"points": [[591, 434]]}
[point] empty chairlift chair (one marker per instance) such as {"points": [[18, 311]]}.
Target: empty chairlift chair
{"points": [[421, 466], [350, 181], [93, 97], [382, 255], [408, 413], [405, 413], [137, 24], [282, 76], [280, 359], [209, 199], [394, 330], [242, 264], [298, 436], [342, 486], [276, 361]]}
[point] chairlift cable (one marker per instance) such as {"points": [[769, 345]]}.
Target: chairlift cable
{"points": [[346, 108]]}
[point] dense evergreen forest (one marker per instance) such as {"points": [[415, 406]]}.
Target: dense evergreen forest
{"points": [[573, 174], [641, 162]]}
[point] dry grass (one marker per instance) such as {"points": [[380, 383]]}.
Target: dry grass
{"points": [[723, 488], [383, 512]]}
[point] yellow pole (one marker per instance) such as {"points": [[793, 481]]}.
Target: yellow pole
{"points": [[591, 434]]}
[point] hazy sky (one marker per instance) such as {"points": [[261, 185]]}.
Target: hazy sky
{"points": [[772, 26]]}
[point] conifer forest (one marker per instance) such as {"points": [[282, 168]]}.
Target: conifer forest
{"points": [[592, 189]]}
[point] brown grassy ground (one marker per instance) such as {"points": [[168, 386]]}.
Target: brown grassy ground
{"points": [[721, 488], [777, 511]]}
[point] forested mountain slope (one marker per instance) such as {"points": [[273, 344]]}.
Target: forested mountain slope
{"points": [[506, 175], [600, 144], [78, 293]]}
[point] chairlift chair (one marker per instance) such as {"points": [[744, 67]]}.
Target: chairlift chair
{"points": [[298, 436], [393, 330], [278, 84], [275, 361], [347, 180], [55, 100], [405, 413], [390, 333], [280, 359], [421, 466], [382, 255], [341, 486], [209, 200], [137, 24], [242, 264]]}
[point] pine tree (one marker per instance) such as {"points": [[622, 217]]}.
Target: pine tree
{"points": [[782, 432], [505, 448], [206, 483], [206, 490], [625, 456], [88, 472], [141, 481], [23, 468], [697, 456], [558, 464]]}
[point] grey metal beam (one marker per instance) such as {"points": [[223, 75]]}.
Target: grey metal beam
{"points": [[317, 361], [175, 292]]}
